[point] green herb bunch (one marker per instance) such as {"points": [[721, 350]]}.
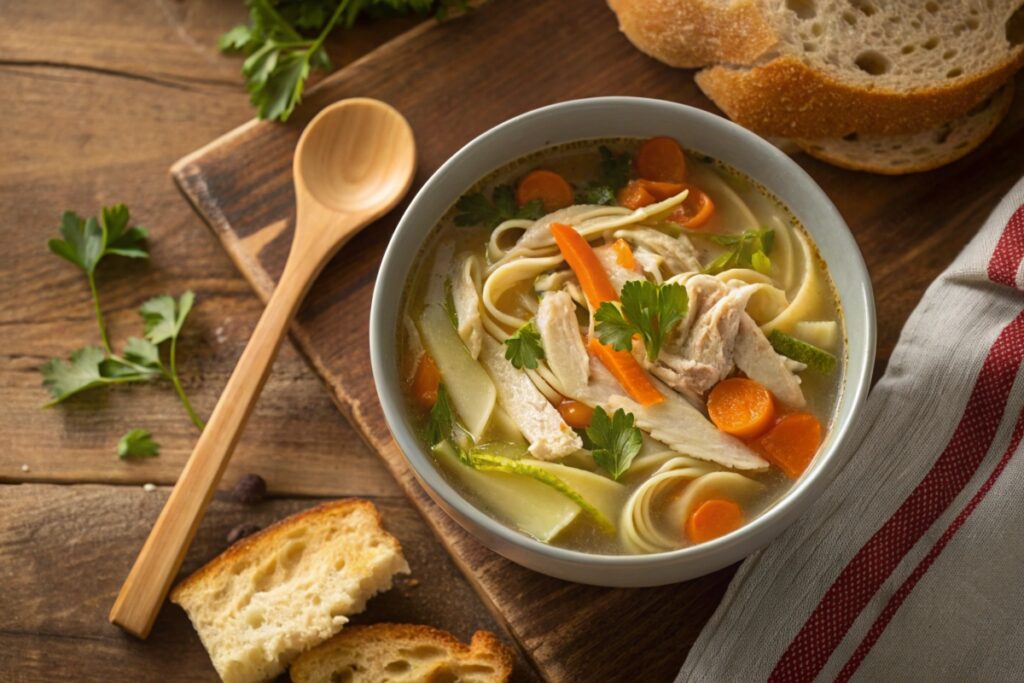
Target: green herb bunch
{"points": [[85, 243], [284, 40]]}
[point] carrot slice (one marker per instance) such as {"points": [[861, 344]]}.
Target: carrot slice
{"points": [[662, 190], [696, 210], [629, 373], [741, 407], [583, 261], [624, 254], [550, 188], [425, 382], [575, 414], [713, 518], [791, 444], [661, 159], [634, 195]]}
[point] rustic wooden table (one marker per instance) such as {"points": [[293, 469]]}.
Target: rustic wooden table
{"points": [[99, 98]]}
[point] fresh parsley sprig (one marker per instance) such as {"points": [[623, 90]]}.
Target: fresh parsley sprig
{"points": [[279, 53], [615, 439], [615, 170], [475, 209], [524, 349], [137, 443], [85, 243], [749, 249], [648, 310]]}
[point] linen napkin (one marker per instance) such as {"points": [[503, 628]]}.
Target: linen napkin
{"points": [[910, 567]]}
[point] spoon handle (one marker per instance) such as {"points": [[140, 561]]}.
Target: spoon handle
{"points": [[143, 592]]}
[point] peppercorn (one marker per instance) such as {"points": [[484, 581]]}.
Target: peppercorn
{"points": [[250, 489]]}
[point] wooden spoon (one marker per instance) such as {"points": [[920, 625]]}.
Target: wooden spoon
{"points": [[353, 163]]}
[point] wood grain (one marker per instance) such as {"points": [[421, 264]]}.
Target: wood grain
{"points": [[99, 98], [64, 551], [907, 227]]}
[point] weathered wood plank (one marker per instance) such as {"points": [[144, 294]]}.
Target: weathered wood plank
{"points": [[907, 227], [64, 551]]}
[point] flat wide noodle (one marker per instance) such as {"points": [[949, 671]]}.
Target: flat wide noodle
{"points": [[641, 528]]}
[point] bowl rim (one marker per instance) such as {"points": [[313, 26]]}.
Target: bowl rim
{"points": [[391, 283]]}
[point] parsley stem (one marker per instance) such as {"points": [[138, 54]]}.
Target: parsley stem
{"points": [[328, 27], [173, 376], [99, 312]]}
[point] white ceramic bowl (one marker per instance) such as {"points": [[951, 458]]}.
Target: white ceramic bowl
{"points": [[613, 117]]}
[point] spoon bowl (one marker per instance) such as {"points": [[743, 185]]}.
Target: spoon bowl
{"points": [[354, 163], [336, 168]]}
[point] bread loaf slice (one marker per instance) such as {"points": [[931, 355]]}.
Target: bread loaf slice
{"points": [[916, 152], [285, 589], [404, 653], [835, 67]]}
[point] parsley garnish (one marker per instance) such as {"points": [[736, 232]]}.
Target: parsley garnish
{"points": [[138, 443], [648, 310], [616, 441], [441, 421], [279, 56], [85, 243], [449, 303], [614, 174], [524, 347], [475, 209], [749, 249]]}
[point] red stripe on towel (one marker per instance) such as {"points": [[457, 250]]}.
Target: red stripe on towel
{"points": [[860, 580], [1009, 252], [922, 568]]}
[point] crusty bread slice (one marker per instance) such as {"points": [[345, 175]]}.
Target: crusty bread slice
{"points": [[404, 653], [916, 152], [835, 67], [283, 590]]}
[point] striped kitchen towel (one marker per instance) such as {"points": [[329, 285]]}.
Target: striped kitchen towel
{"points": [[910, 567]]}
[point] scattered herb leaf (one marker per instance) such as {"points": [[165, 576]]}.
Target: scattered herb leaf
{"points": [[614, 174], [475, 209], [524, 349], [749, 249], [616, 441], [648, 310], [89, 367], [138, 443]]}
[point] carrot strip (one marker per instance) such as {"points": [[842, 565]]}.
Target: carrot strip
{"points": [[696, 210], [624, 254], [661, 159], [575, 414], [583, 261], [713, 518], [661, 190], [425, 382], [741, 407], [634, 195], [628, 372], [550, 188], [792, 443]]}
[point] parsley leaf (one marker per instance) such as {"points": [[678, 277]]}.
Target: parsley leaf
{"points": [[616, 440], [615, 170], [138, 443], [280, 58], [647, 310], [163, 317], [441, 421], [89, 367], [749, 249], [475, 209], [86, 242], [524, 347], [449, 303]]}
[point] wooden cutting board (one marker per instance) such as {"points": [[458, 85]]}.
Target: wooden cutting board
{"points": [[453, 81]]}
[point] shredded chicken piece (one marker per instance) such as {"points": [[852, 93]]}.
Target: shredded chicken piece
{"points": [[678, 252], [756, 358], [563, 344]]}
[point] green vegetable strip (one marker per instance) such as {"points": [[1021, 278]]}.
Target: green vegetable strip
{"points": [[810, 355], [496, 463]]}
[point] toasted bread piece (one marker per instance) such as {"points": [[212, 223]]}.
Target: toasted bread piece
{"points": [[913, 153], [287, 588], [404, 653], [828, 68]]}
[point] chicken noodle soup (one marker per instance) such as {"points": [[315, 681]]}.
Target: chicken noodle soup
{"points": [[619, 347]]}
